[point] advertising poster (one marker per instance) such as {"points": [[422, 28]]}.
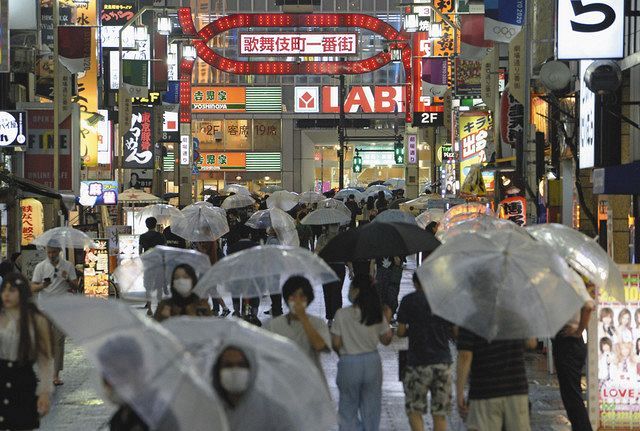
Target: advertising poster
{"points": [[618, 355], [473, 130], [96, 270], [138, 140], [96, 192], [113, 233], [129, 249], [467, 81]]}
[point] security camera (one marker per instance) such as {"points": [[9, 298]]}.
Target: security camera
{"points": [[603, 77]]}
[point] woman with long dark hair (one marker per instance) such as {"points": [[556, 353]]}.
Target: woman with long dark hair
{"points": [[183, 301], [356, 332], [25, 340]]}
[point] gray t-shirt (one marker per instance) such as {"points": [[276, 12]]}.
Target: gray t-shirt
{"points": [[357, 337], [59, 284], [293, 330]]}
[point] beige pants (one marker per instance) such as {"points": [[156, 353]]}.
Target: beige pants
{"points": [[57, 344], [504, 413]]}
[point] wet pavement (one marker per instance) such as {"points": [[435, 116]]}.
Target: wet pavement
{"points": [[77, 404]]}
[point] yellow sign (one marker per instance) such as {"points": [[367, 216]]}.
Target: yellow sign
{"points": [[89, 138], [32, 220], [473, 132]]}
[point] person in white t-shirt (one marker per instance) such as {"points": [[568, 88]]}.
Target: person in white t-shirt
{"points": [[356, 332], [52, 277]]}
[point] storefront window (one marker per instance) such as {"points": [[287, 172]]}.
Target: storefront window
{"points": [[237, 134], [209, 133], [267, 135]]}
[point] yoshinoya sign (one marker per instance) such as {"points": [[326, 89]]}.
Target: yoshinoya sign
{"points": [[309, 44], [13, 128], [590, 29], [236, 99], [359, 99]]}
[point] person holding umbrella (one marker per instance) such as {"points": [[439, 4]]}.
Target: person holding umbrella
{"points": [[148, 240], [354, 208], [244, 243], [332, 291], [24, 339], [183, 301]]}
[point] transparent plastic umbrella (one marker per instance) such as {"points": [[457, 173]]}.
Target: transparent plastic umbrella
{"points": [[285, 227], [501, 286], [323, 216], [146, 365], [311, 197], [237, 201], [271, 189], [161, 212], [260, 219], [429, 215], [287, 390], [395, 216], [200, 223], [282, 199], [262, 271], [64, 237], [464, 212], [584, 255], [156, 266], [373, 191], [344, 194], [238, 189], [395, 183], [334, 203], [481, 224]]}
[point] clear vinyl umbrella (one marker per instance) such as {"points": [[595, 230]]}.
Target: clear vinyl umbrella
{"points": [[344, 194], [501, 286], [200, 223], [282, 223], [238, 189], [161, 212], [324, 216], [311, 197], [146, 365], [64, 237], [156, 266], [271, 189], [260, 219], [429, 215], [373, 191], [584, 255], [237, 201], [287, 390], [481, 224], [283, 199], [334, 203], [395, 183], [466, 211], [262, 270], [395, 216]]}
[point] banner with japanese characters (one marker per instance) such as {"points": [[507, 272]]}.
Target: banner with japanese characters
{"points": [[96, 192], [32, 220], [138, 140], [96, 269], [514, 208], [473, 131]]}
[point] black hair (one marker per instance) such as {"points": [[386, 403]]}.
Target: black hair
{"points": [[6, 267], [175, 296], [151, 223], [368, 300], [15, 256], [215, 373], [28, 347], [352, 196], [371, 203], [133, 173], [432, 227], [298, 282]]}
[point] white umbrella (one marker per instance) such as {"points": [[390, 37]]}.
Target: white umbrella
{"points": [[466, 211], [161, 212], [271, 189], [262, 270], [336, 204], [344, 194], [323, 216], [311, 197], [501, 286], [395, 183], [429, 215], [483, 225], [64, 237], [395, 216], [200, 223], [584, 255], [373, 191], [146, 365], [156, 266], [282, 199], [286, 387], [237, 201], [238, 189], [260, 219], [285, 227], [137, 196]]}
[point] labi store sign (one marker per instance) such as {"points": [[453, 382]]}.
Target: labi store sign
{"points": [[359, 99]]}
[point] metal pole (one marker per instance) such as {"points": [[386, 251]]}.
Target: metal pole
{"points": [[56, 98], [341, 134]]}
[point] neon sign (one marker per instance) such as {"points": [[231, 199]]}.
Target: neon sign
{"points": [[266, 44]]}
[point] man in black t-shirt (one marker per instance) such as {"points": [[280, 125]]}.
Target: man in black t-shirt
{"points": [[428, 360], [498, 388]]}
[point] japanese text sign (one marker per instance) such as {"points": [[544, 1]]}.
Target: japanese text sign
{"points": [[218, 99], [473, 134], [98, 193], [266, 44], [32, 220], [222, 161], [138, 140]]}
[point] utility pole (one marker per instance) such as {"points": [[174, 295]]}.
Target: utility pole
{"points": [[341, 130]]}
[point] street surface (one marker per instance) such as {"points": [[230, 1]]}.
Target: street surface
{"points": [[77, 404]]}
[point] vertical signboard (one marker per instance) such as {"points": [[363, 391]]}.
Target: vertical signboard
{"points": [[96, 269], [587, 121], [4, 36], [473, 130], [138, 140], [32, 220]]}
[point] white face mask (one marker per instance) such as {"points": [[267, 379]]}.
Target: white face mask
{"points": [[234, 379], [183, 286], [292, 305]]}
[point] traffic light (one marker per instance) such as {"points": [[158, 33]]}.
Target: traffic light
{"points": [[357, 163], [398, 152]]}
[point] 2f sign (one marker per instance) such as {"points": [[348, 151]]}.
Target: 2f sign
{"points": [[590, 29]]}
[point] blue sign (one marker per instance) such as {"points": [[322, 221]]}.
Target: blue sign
{"points": [[96, 192]]}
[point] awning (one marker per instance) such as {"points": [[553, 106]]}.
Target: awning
{"points": [[617, 180], [69, 201]]}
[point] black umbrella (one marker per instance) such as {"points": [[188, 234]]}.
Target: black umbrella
{"points": [[378, 240], [376, 183]]}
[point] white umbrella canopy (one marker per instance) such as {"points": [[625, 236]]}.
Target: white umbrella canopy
{"points": [[238, 189], [373, 191], [200, 223], [466, 211], [137, 196], [146, 365], [483, 225], [271, 189], [285, 227], [282, 199], [429, 215], [336, 204], [395, 183], [260, 219], [64, 237], [584, 255], [237, 201], [156, 266], [285, 381], [501, 286], [395, 216], [261, 271], [324, 216], [344, 194], [311, 197], [161, 212]]}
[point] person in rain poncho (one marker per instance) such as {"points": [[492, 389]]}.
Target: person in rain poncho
{"points": [[310, 333], [233, 377], [183, 301]]}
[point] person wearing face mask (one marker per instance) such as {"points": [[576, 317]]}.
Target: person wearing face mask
{"points": [[310, 333], [183, 301], [355, 334], [233, 377]]}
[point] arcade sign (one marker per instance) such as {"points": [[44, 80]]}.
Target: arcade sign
{"points": [[13, 128], [359, 99], [293, 44]]}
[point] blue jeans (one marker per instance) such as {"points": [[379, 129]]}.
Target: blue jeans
{"points": [[359, 380]]}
